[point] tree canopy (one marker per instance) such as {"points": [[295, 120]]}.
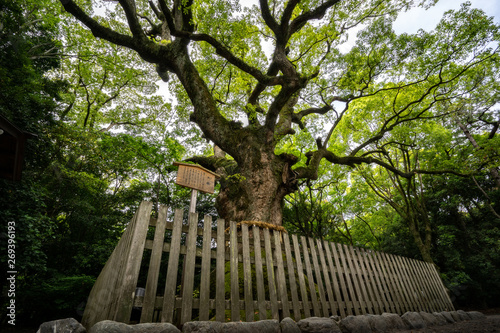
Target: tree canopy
{"points": [[280, 112]]}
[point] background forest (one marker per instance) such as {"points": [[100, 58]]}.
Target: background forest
{"points": [[106, 138]]}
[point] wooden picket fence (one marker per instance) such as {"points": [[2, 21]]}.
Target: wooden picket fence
{"points": [[250, 273]]}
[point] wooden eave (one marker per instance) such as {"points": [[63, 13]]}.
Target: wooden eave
{"points": [[12, 147]]}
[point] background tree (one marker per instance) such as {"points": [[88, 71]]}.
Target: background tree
{"points": [[81, 181]]}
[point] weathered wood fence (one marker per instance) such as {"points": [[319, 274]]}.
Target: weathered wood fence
{"points": [[191, 273]]}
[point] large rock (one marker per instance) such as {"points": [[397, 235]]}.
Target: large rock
{"points": [[449, 318], [68, 325], [463, 315], [377, 323], [414, 320], [476, 315], [440, 319], [394, 321], [318, 325], [109, 326], [288, 325], [263, 326], [203, 327], [456, 316], [429, 319], [355, 324]]}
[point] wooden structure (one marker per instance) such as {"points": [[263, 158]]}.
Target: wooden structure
{"points": [[251, 274], [12, 146]]}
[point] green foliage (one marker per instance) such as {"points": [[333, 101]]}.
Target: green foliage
{"points": [[58, 297], [81, 183]]}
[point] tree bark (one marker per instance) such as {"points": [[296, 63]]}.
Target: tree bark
{"points": [[254, 185]]}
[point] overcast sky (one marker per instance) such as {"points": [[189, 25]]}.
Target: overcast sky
{"points": [[419, 18]]}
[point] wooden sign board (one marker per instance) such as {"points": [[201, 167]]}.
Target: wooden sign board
{"points": [[195, 177]]}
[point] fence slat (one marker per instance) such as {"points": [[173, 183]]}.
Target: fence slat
{"points": [[154, 267], [319, 279], [413, 286], [400, 279], [427, 290], [189, 263], [445, 297], [247, 274], [300, 274], [395, 287], [342, 276], [270, 275], [235, 287], [344, 258], [357, 280], [220, 301], [205, 268], [291, 278], [365, 281], [326, 276], [173, 267], [102, 297], [259, 275], [280, 278], [335, 282], [434, 285], [431, 293], [121, 265], [312, 287], [133, 263], [384, 282], [408, 284], [376, 285]]}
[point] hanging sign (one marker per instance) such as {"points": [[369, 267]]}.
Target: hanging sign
{"points": [[196, 177]]}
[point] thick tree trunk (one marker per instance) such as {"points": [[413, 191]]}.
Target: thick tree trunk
{"points": [[256, 192], [423, 245]]}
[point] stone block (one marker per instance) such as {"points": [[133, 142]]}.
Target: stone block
{"points": [[288, 325], [377, 323], [394, 321], [440, 319], [476, 315], [456, 316], [263, 326], [109, 326], [355, 324], [203, 327], [68, 325], [429, 319], [414, 320], [463, 315], [318, 325], [449, 318]]}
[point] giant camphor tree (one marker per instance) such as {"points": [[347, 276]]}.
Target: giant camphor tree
{"points": [[274, 87]]}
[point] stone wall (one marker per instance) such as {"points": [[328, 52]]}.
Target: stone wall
{"points": [[350, 324]]}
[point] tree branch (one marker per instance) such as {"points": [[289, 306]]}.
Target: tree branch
{"points": [[268, 17], [97, 29], [317, 13]]}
